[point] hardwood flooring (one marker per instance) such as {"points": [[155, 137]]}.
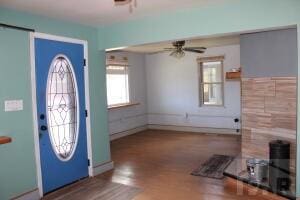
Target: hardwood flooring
{"points": [[159, 163], [94, 189]]}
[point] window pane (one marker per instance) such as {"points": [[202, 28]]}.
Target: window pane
{"points": [[212, 72], [117, 86], [62, 108], [212, 94]]}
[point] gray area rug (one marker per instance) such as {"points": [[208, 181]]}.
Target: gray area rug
{"points": [[213, 167], [94, 189]]}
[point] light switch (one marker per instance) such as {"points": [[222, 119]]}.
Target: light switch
{"points": [[13, 105]]}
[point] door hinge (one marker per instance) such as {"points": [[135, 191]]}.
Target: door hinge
{"points": [[86, 113], [89, 163], [84, 62]]}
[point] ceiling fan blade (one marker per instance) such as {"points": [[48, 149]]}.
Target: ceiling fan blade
{"points": [[169, 49], [193, 50], [197, 48], [156, 52]]}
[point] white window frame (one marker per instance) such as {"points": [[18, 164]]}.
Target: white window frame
{"points": [[202, 83]]}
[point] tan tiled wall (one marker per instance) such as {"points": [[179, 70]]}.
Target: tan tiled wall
{"points": [[268, 113]]}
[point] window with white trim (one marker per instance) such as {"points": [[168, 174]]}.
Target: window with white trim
{"points": [[117, 84], [211, 81]]}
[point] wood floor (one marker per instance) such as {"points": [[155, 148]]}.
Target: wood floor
{"points": [[94, 189], [160, 163]]}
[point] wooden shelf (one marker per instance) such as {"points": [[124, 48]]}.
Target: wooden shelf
{"points": [[122, 105], [5, 140], [233, 75]]}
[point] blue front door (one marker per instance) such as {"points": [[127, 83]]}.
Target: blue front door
{"points": [[61, 112]]}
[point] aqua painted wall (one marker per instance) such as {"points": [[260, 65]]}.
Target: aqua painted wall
{"points": [[17, 159], [17, 166], [234, 16]]}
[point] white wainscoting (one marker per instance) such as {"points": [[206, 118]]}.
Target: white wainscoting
{"points": [[194, 129], [128, 118]]}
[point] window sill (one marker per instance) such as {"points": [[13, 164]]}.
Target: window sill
{"points": [[122, 106], [212, 106]]}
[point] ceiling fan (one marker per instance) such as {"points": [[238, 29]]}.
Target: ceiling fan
{"points": [[178, 51], [131, 3]]}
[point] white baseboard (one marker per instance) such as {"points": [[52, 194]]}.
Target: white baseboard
{"points": [[99, 169], [115, 136], [31, 195], [174, 128], [194, 129]]}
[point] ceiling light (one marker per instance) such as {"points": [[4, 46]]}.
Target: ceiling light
{"points": [[178, 49], [178, 54], [132, 4]]}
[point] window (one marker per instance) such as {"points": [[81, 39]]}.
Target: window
{"points": [[62, 107], [117, 84], [211, 81]]}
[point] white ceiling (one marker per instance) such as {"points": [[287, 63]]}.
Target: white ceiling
{"points": [[202, 42], [99, 12]]}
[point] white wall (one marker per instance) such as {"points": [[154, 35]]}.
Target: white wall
{"points": [[173, 91], [128, 118]]}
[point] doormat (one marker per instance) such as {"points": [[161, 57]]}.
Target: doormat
{"points": [[213, 167]]}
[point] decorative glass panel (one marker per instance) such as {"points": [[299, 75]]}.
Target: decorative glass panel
{"points": [[62, 108]]}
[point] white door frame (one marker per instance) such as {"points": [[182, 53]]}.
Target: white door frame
{"points": [[34, 103]]}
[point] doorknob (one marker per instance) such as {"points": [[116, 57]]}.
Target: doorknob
{"points": [[43, 128]]}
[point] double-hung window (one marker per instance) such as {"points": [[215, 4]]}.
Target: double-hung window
{"points": [[211, 81], [117, 83]]}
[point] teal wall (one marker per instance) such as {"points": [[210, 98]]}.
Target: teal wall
{"points": [[17, 165], [234, 16], [17, 159]]}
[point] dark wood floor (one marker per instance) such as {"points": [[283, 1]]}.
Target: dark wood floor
{"points": [[160, 163]]}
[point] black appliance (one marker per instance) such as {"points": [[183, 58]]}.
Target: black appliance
{"points": [[279, 169]]}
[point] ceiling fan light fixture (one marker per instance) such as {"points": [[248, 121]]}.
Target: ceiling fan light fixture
{"points": [[132, 4], [178, 50], [122, 2], [178, 54]]}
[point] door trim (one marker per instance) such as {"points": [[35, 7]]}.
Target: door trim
{"points": [[32, 37]]}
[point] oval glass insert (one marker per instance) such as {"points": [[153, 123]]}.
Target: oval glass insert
{"points": [[62, 107]]}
